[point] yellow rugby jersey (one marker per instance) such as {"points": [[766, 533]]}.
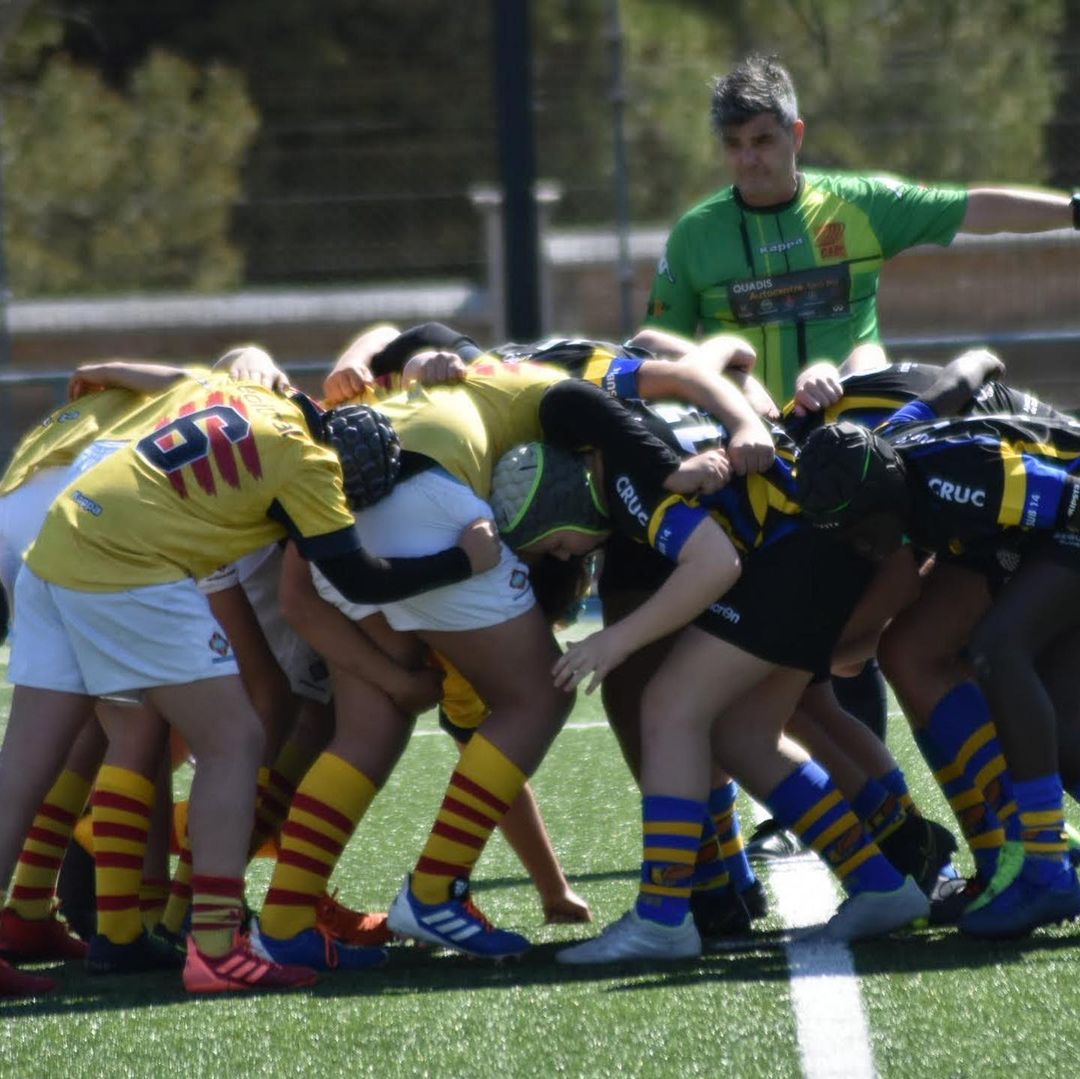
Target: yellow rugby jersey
{"points": [[193, 489], [65, 432], [467, 426]]}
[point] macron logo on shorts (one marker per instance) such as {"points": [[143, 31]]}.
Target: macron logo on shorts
{"points": [[727, 612]]}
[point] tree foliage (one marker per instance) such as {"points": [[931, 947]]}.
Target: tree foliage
{"points": [[109, 189], [204, 142]]}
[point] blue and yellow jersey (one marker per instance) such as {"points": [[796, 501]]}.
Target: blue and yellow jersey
{"points": [[871, 397], [754, 510], [974, 477], [213, 470], [465, 427], [797, 281]]}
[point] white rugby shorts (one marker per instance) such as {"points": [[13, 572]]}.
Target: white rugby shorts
{"points": [[424, 515], [108, 644]]}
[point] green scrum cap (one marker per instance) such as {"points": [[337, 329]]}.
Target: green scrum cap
{"points": [[537, 489]]}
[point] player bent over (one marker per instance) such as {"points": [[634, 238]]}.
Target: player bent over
{"points": [[107, 603], [965, 484]]}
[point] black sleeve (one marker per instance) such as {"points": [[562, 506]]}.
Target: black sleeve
{"points": [[391, 359], [575, 414], [363, 578]]}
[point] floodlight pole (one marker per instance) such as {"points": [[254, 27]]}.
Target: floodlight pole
{"points": [[624, 265], [517, 166]]}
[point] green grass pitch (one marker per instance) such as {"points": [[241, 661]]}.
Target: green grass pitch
{"points": [[936, 1005]]}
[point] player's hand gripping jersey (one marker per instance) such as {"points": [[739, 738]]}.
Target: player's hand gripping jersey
{"points": [[871, 397], [974, 477], [754, 510], [216, 469], [467, 426], [798, 281]]}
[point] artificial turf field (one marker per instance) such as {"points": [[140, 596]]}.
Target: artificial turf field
{"points": [[935, 1004]]}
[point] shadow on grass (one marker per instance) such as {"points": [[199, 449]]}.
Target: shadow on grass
{"points": [[413, 970]]}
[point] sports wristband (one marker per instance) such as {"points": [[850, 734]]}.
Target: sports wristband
{"points": [[1074, 202]]}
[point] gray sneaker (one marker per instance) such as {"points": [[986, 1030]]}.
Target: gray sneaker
{"points": [[873, 914], [633, 937]]}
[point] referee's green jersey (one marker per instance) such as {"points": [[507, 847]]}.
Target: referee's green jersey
{"points": [[798, 281]]}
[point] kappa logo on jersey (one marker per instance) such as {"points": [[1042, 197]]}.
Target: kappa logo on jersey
{"points": [[629, 496], [957, 493], [780, 246], [830, 240], [219, 433], [663, 268]]}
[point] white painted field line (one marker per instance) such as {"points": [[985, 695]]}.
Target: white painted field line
{"points": [[830, 1020]]}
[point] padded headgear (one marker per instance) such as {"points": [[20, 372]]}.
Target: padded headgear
{"points": [[844, 472], [368, 449], [537, 489]]}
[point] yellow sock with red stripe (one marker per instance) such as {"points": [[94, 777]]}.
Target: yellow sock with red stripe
{"points": [[179, 901], [153, 896], [120, 807], [482, 788], [322, 818], [33, 886], [671, 836], [277, 785], [809, 804], [217, 909]]}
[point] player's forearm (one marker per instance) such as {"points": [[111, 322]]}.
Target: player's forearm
{"points": [[576, 415], [137, 376], [708, 566], [334, 636], [430, 335], [1003, 209]]}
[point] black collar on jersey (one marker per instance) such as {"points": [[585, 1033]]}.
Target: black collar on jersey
{"points": [[313, 414], [776, 208]]}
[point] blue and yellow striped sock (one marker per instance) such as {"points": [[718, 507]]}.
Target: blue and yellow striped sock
{"points": [[1041, 804], [962, 727], [671, 836], [725, 818], [809, 803], [878, 809], [896, 783], [710, 870]]}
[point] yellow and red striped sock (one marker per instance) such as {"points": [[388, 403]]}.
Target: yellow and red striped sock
{"points": [[179, 901], [153, 897], [482, 788], [33, 886], [322, 818], [217, 909], [121, 805]]}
